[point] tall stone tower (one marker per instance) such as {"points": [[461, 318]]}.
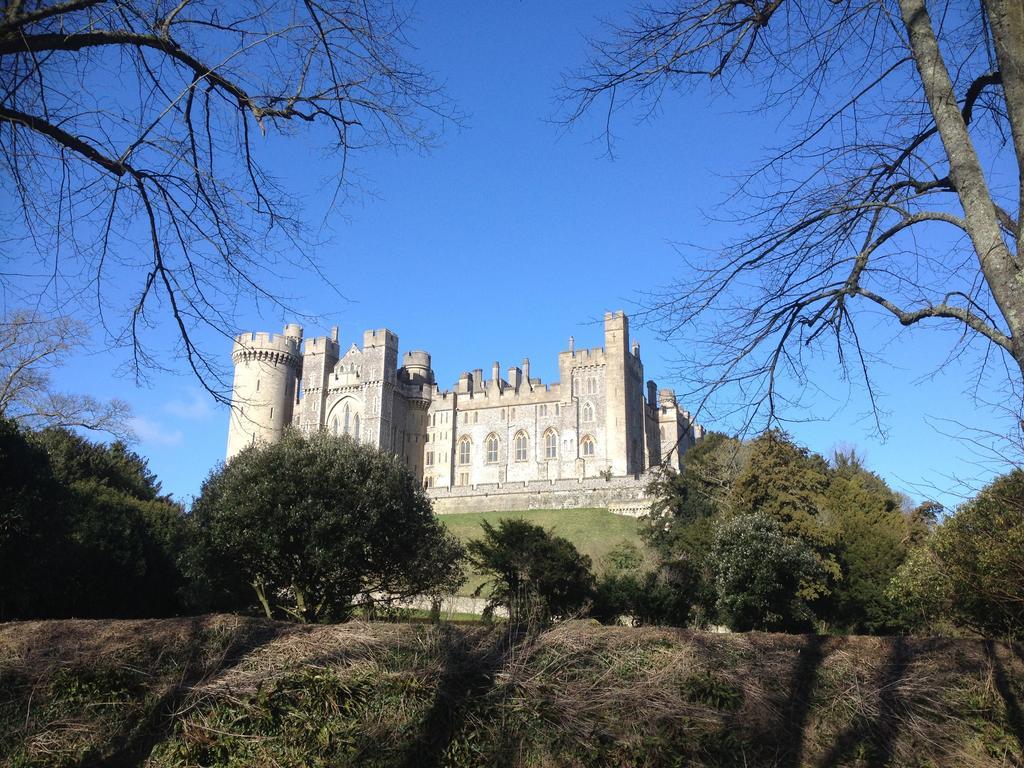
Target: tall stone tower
{"points": [[267, 369], [616, 351]]}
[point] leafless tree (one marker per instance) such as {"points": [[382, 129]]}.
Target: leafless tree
{"points": [[136, 137], [898, 195], [32, 348]]}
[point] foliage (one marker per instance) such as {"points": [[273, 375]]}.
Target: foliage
{"points": [[32, 527], [533, 573], [763, 577], [980, 550], [921, 594], [872, 535], [88, 533], [665, 596], [674, 523], [310, 524], [786, 482]]}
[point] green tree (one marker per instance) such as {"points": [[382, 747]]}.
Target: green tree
{"points": [[921, 593], [309, 524], [786, 482], [85, 531], [32, 528], [764, 579], [533, 573], [980, 549], [871, 544]]}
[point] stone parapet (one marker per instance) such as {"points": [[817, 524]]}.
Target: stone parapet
{"points": [[625, 492]]}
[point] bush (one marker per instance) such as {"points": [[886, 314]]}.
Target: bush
{"points": [[761, 576], [971, 569], [84, 530], [533, 573], [309, 524]]}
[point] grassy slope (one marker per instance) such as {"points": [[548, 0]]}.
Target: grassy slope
{"points": [[595, 532], [228, 691]]}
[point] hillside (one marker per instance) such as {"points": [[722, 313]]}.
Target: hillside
{"points": [[224, 690], [594, 532]]}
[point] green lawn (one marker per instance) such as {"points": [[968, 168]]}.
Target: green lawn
{"points": [[595, 532]]}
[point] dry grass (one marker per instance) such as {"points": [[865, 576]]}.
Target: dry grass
{"points": [[231, 691]]}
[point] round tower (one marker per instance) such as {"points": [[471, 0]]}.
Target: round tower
{"points": [[416, 365], [267, 369]]}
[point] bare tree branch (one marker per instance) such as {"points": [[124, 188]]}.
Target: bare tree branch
{"points": [[882, 196], [121, 121]]}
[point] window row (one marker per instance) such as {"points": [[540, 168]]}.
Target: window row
{"points": [[520, 448], [587, 413]]}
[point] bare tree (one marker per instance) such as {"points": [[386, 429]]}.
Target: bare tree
{"points": [[32, 348], [136, 136], [900, 193]]}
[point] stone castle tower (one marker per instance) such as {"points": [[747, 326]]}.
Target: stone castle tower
{"points": [[487, 443]]}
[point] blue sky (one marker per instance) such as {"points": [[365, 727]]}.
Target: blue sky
{"points": [[514, 234]]}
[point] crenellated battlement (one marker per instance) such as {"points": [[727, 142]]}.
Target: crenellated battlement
{"points": [[507, 428], [381, 337], [322, 345], [580, 357], [284, 348]]}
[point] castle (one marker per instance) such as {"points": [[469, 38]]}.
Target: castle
{"points": [[497, 443]]}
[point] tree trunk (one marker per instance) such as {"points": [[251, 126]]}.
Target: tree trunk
{"points": [[262, 595], [998, 265], [1007, 20]]}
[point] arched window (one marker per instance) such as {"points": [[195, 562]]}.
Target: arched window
{"points": [[334, 427], [587, 446], [588, 412], [465, 449], [491, 447], [356, 431], [345, 419], [521, 446], [551, 444]]}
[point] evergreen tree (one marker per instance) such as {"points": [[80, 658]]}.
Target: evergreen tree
{"points": [[871, 545], [308, 525], [533, 573], [764, 579]]}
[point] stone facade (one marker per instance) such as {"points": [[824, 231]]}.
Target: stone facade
{"points": [[504, 442]]}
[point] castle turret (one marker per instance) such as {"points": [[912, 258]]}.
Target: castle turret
{"points": [[616, 344], [267, 367], [416, 367]]}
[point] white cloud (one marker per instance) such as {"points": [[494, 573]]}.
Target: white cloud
{"points": [[197, 408], [153, 432]]}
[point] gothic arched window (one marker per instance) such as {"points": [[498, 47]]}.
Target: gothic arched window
{"points": [[587, 446], [551, 444], [491, 448], [465, 449], [521, 446], [588, 412], [346, 415], [355, 432]]}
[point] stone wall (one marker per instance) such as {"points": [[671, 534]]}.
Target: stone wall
{"points": [[626, 493]]}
